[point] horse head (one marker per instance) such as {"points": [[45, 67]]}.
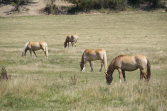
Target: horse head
{"points": [[82, 66], [65, 44], [109, 78], [23, 53], [25, 49]]}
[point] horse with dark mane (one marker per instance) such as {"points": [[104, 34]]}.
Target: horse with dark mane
{"points": [[129, 63], [71, 38], [34, 46], [92, 55]]}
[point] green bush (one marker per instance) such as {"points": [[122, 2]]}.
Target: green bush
{"points": [[49, 9], [120, 5], [86, 5], [153, 3]]}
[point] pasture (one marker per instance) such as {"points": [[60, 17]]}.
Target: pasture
{"points": [[49, 84]]}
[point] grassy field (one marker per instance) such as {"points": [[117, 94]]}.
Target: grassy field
{"points": [[46, 84]]}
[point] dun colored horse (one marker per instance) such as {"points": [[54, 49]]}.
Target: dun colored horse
{"points": [[34, 46], [71, 38], [129, 63], [92, 55]]}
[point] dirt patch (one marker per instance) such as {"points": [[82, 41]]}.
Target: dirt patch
{"points": [[32, 8]]}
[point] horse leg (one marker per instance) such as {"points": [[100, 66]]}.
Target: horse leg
{"points": [[120, 73], [44, 50], [35, 53], [123, 73], [75, 43], [68, 44], [30, 53], [91, 66], [72, 43], [142, 74], [141, 77], [101, 66], [45, 54]]}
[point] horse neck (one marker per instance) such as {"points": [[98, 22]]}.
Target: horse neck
{"points": [[25, 47], [82, 60], [111, 69], [65, 41]]}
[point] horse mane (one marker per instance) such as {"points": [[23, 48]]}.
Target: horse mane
{"points": [[66, 40], [82, 59], [25, 47], [118, 57], [112, 63]]}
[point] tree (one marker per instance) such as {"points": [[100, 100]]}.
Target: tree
{"points": [[50, 5], [17, 4]]}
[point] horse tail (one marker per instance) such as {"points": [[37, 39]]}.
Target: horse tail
{"points": [[105, 61], [46, 49], [148, 69], [76, 38]]}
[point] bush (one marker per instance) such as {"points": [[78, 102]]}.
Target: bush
{"points": [[17, 4], [86, 5], [120, 5], [50, 10], [153, 3]]}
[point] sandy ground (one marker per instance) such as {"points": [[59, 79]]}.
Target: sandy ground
{"points": [[33, 8]]}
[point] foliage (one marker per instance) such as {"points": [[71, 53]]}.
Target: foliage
{"points": [[50, 6], [17, 4], [87, 5], [50, 9], [15, 1], [154, 3], [121, 5]]}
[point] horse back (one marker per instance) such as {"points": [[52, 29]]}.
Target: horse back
{"points": [[43, 44], [141, 60], [131, 63], [94, 54], [74, 36], [68, 38], [37, 45]]}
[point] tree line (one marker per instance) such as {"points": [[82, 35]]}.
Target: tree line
{"points": [[87, 5]]}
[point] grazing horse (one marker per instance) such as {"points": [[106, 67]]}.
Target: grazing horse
{"points": [[128, 63], [92, 55], [33, 46], [71, 38]]}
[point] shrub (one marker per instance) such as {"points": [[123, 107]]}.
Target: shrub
{"points": [[86, 5], [50, 10], [17, 4], [153, 3], [50, 6]]}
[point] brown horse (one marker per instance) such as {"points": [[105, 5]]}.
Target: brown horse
{"points": [[92, 55], [33, 46], [129, 63], [71, 38]]}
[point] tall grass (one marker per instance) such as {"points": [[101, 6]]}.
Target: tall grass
{"points": [[46, 84]]}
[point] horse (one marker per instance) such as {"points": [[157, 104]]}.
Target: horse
{"points": [[92, 55], [71, 38], [128, 63], [34, 46]]}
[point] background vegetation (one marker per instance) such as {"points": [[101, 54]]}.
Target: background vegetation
{"points": [[46, 84], [88, 5]]}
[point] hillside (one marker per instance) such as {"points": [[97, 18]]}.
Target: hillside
{"points": [[32, 8]]}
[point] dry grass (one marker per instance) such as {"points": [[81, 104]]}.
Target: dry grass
{"points": [[45, 84]]}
